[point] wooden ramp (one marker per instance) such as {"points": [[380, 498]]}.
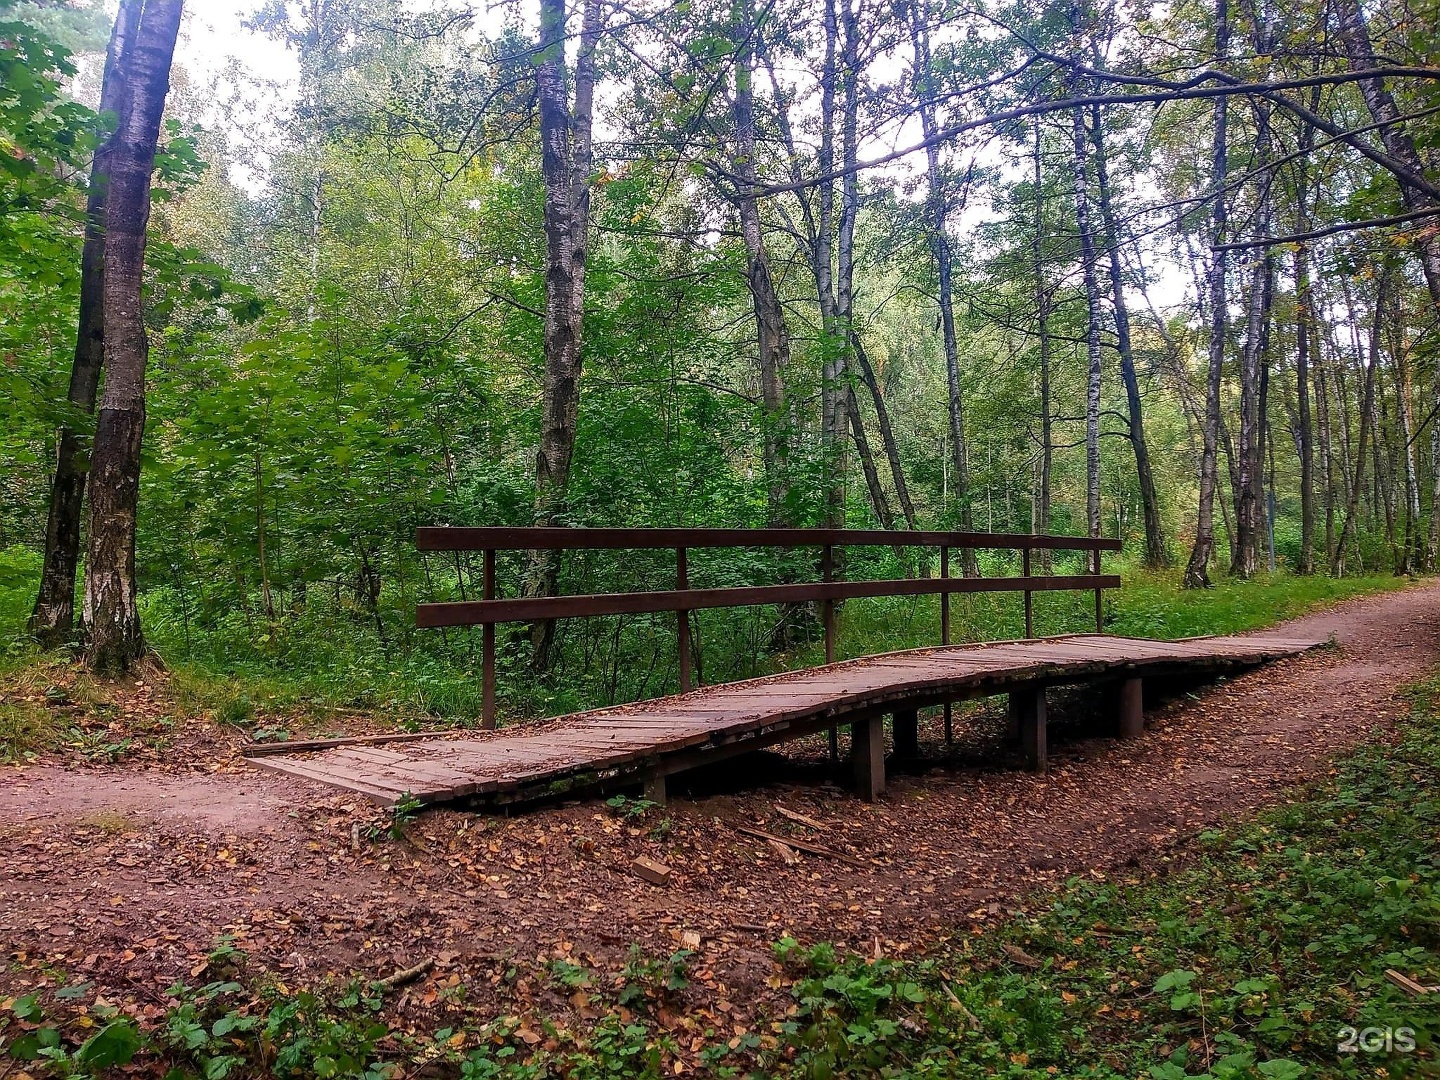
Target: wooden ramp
{"points": [[644, 742]]}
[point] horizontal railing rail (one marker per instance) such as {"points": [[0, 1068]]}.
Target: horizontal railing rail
{"points": [[534, 538], [682, 600], [527, 609]]}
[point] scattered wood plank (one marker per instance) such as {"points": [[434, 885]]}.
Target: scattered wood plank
{"points": [[1020, 956], [657, 873], [801, 845], [405, 975], [800, 819], [785, 851], [959, 1006], [1409, 985], [296, 746]]}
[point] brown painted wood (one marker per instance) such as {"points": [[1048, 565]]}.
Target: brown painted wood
{"points": [[1131, 708], [1028, 706], [443, 538], [526, 609], [867, 753]]}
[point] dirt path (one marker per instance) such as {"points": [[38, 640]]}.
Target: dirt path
{"points": [[128, 876]]}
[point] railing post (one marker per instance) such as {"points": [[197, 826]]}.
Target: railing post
{"points": [[944, 596], [487, 660], [827, 607], [682, 626], [945, 637], [1099, 593], [827, 567], [1029, 596]]}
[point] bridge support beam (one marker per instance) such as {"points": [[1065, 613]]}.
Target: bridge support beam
{"points": [[906, 729], [1027, 712], [655, 790], [867, 755], [1130, 709]]}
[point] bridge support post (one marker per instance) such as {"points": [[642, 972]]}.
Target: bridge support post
{"points": [[867, 755], [655, 790], [1130, 709], [906, 727], [1027, 711]]}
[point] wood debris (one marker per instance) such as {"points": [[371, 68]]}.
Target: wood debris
{"points": [[657, 873], [785, 851], [405, 975], [801, 819], [1020, 956], [799, 845], [1409, 985]]}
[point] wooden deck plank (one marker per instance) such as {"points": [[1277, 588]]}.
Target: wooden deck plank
{"points": [[760, 711]]}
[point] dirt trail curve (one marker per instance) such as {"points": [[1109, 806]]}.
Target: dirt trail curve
{"points": [[128, 876]]}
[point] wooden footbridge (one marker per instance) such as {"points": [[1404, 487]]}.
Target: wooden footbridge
{"points": [[643, 743]]}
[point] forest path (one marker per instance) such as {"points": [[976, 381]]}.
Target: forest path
{"points": [[128, 876]]}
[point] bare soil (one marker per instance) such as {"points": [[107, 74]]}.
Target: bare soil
{"points": [[127, 874]]}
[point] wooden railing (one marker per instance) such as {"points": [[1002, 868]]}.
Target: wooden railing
{"points": [[682, 600]]}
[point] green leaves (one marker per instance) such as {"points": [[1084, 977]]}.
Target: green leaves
{"points": [[1177, 985], [114, 1044]]}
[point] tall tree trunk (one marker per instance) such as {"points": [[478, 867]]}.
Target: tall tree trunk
{"points": [[1044, 302], [772, 334], [937, 213], [1432, 548], [1197, 572], [887, 431], [112, 617], [1327, 447], [566, 159], [1304, 321], [834, 389], [845, 291], [1157, 552], [878, 498], [1249, 489], [1414, 557], [53, 619], [1092, 335], [1367, 411]]}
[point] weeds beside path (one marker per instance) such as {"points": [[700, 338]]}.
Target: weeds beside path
{"points": [[129, 904]]}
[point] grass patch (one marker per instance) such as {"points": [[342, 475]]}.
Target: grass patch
{"points": [[1149, 604], [27, 729]]}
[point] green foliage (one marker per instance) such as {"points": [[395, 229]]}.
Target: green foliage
{"points": [[622, 806]]}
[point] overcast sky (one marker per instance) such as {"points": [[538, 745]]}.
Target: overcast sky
{"points": [[213, 35]]}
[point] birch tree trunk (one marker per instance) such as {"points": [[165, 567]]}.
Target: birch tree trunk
{"points": [[772, 334], [53, 619], [1092, 335], [1156, 550], [1367, 411], [112, 617], [834, 391], [1197, 571], [566, 161], [937, 213]]}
